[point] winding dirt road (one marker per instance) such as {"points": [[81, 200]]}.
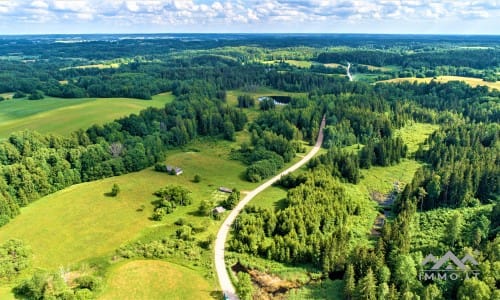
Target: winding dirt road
{"points": [[220, 264], [348, 71]]}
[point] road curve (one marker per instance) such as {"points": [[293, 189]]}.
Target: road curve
{"points": [[220, 264], [348, 71]]}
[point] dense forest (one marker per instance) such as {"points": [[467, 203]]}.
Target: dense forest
{"points": [[452, 203]]}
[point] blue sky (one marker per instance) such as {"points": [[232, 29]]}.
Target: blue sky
{"points": [[252, 16]]}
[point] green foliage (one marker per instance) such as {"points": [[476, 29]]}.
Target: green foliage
{"points": [[115, 189], [244, 286], [267, 104], [18, 95], [231, 201], [263, 169], [474, 289], [168, 199], [292, 236], [36, 95], [341, 164], [44, 285], [14, 257], [246, 101], [197, 178]]}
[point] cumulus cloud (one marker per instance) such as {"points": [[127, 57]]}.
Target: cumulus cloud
{"points": [[263, 13]]}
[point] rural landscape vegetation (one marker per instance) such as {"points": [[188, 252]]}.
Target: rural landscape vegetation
{"points": [[122, 155]]}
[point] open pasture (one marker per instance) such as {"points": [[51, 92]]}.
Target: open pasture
{"points": [[153, 279], [63, 116]]}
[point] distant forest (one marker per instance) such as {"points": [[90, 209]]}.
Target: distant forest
{"points": [[460, 161]]}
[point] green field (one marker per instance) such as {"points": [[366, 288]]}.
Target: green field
{"points": [[443, 79], [63, 116], [81, 224], [155, 280]]}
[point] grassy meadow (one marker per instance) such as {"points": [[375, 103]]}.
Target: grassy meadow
{"points": [[81, 224], [63, 116], [443, 79], [155, 280]]}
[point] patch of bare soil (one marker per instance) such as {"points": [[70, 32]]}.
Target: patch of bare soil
{"points": [[268, 287]]}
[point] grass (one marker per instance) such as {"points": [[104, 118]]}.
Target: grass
{"points": [[381, 179], [382, 69], [326, 289], [148, 279], [63, 116], [415, 134], [443, 79], [96, 66], [271, 198], [334, 65], [80, 222]]}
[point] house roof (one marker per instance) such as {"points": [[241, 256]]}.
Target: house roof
{"points": [[219, 209]]}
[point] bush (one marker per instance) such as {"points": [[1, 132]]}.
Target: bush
{"points": [[197, 178], [115, 190], [244, 287], [36, 95], [18, 95], [14, 257], [88, 282]]}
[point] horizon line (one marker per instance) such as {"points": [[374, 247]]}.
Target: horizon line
{"points": [[255, 33]]}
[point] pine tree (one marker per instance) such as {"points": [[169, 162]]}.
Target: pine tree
{"points": [[367, 286], [349, 282]]}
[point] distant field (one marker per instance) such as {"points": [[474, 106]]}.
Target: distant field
{"points": [[155, 280], [469, 80], [382, 69], [63, 116], [7, 95], [97, 66], [297, 63], [333, 65]]}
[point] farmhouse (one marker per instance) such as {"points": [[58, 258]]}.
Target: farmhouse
{"points": [[225, 189], [174, 170]]}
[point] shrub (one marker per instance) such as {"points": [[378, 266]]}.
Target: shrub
{"points": [[114, 190], [197, 178]]}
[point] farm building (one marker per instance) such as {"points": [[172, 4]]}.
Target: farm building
{"points": [[174, 170], [225, 189], [218, 210]]}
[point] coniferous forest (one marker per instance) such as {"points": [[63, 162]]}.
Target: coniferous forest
{"points": [[264, 97]]}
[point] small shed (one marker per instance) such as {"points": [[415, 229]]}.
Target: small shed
{"points": [[225, 189], [174, 170], [218, 210]]}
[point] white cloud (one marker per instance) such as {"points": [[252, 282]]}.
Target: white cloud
{"points": [[132, 6], [255, 15], [39, 4]]}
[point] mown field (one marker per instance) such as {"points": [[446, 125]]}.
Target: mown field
{"points": [[442, 79], [155, 280], [63, 116]]}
